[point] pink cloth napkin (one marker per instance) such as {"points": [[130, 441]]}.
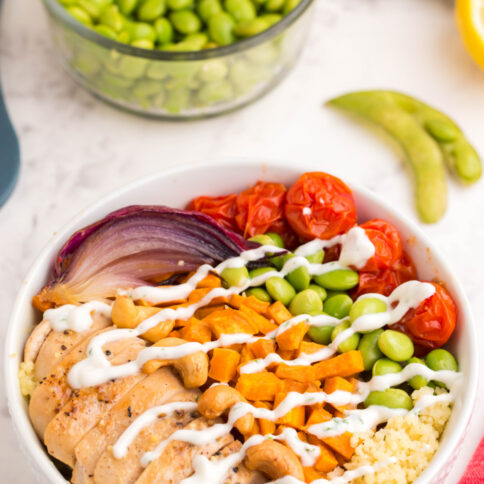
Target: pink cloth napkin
{"points": [[474, 473]]}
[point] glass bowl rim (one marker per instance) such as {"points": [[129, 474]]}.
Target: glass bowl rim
{"points": [[58, 11]]}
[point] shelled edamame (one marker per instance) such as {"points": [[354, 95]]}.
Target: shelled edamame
{"points": [[167, 24]]}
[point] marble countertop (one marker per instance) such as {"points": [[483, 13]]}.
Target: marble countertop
{"points": [[76, 149]]}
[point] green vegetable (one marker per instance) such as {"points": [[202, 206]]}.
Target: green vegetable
{"points": [[384, 366], [299, 278], [260, 293], [276, 239], [391, 398], [441, 359], [249, 28], [338, 306], [367, 305], [280, 290], [235, 276], [370, 351], [316, 258], [259, 271], [428, 137], [321, 334], [321, 292], [221, 27], [185, 21], [150, 10], [417, 381], [339, 280], [395, 345], [164, 31], [306, 302], [262, 239], [241, 10], [348, 344]]}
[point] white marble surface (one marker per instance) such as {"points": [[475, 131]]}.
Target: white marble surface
{"points": [[76, 149]]}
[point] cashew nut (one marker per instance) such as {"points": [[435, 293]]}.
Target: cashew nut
{"points": [[274, 459], [218, 399], [125, 314], [193, 369]]}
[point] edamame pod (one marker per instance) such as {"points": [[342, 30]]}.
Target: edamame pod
{"points": [[422, 151]]}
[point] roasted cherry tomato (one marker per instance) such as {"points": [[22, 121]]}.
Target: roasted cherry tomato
{"points": [[222, 209], [260, 207], [388, 245], [320, 206], [431, 324], [384, 281]]}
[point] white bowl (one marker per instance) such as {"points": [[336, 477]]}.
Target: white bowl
{"points": [[176, 188]]}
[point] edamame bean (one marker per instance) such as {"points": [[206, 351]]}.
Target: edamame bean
{"points": [[367, 305], [106, 31], [339, 280], [156, 70], [195, 41], [418, 381], [280, 290], [177, 99], [145, 88], [390, 398], [290, 5], [441, 359], [397, 346], [262, 239], [260, 293], [127, 7], [207, 8], [276, 239], [80, 14], [150, 10], [221, 28], [348, 344], [216, 70], [164, 31], [249, 28], [384, 366], [272, 18], [299, 278], [140, 30], [92, 7], [143, 44], [321, 334], [259, 271], [235, 276], [241, 10], [316, 258], [274, 5], [132, 67], [112, 17], [215, 92], [305, 302], [180, 4], [185, 21], [338, 306], [369, 349], [318, 290]]}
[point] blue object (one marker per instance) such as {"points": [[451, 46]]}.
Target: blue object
{"points": [[9, 153]]}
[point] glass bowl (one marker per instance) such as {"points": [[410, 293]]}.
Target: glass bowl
{"points": [[179, 85]]}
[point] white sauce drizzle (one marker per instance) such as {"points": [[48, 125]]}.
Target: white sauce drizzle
{"points": [[76, 318]]}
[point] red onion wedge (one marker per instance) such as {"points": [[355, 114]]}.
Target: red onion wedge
{"points": [[134, 246]]}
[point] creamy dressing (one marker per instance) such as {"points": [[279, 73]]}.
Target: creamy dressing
{"points": [[76, 318]]}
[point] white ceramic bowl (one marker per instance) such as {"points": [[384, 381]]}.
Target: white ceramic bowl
{"points": [[176, 188]]}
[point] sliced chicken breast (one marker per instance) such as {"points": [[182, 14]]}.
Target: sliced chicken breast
{"points": [[158, 388], [53, 390], [175, 463], [87, 406], [36, 340], [59, 343], [126, 470]]}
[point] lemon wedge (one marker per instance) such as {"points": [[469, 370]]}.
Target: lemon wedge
{"points": [[470, 20]]}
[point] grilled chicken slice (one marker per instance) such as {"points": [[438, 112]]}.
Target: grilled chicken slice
{"points": [[87, 406], [36, 340], [59, 343], [53, 391], [126, 470], [156, 389], [175, 463], [238, 474]]}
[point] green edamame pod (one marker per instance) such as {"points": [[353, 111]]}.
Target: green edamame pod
{"points": [[339, 280], [422, 151], [370, 351], [459, 155]]}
